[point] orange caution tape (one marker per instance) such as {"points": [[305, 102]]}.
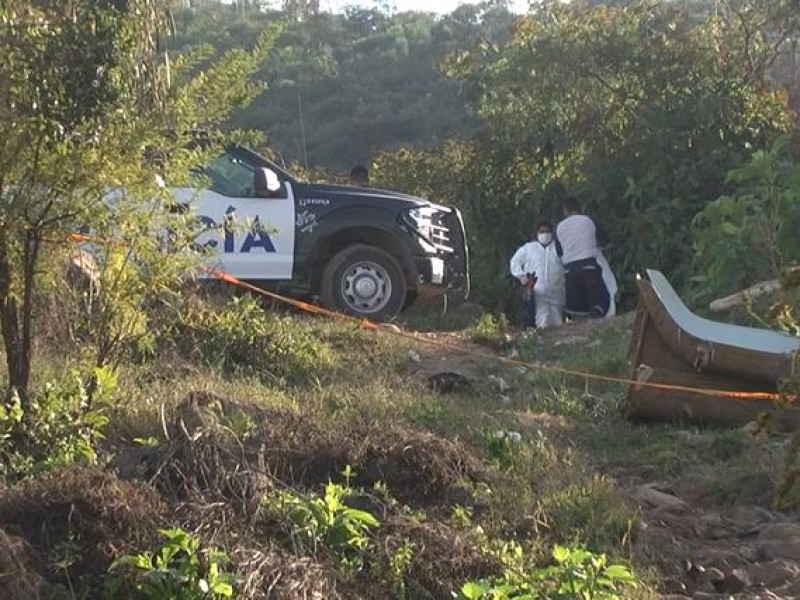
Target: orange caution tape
{"points": [[312, 308], [371, 326], [300, 304]]}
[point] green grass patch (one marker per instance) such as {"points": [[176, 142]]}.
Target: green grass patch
{"points": [[590, 512], [551, 453], [491, 330]]}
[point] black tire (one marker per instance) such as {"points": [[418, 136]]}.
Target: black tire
{"points": [[379, 277]]}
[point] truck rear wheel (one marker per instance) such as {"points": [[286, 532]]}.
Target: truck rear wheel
{"points": [[366, 282]]}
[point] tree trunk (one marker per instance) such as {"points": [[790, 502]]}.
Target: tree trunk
{"points": [[17, 353], [33, 240]]}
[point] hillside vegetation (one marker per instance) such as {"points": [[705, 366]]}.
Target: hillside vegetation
{"points": [[344, 86], [641, 109], [163, 439], [321, 459]]}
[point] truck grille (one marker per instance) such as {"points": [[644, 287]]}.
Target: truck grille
{"points": [[458, 261], [440, 233]]}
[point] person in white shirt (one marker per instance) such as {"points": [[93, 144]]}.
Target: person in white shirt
{"points": [[537, 267], [587, 294]]}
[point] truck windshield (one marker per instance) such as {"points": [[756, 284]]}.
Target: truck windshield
{"points": [[230, 176]]}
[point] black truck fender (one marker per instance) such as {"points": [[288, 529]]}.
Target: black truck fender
{"points": [[365, 226]]}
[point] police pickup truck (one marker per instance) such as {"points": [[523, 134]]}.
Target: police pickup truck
{"points": [[362, 251]]}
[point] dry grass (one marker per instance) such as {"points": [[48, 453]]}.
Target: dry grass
{"points": [[224, 440], [20, 578], [78, 520]]}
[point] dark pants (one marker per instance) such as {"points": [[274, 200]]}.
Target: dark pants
{"points": [[587, 295], [529, 304]]}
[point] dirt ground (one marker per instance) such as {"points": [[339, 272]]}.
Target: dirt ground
{"points": [[454, 353], [703, 549], [65, 528], [213, 482], [741, 551]]}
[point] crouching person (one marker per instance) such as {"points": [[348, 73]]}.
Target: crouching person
{"points": [[587, 292], [538, 268]]}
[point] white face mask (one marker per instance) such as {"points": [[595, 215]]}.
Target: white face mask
{"points": [[544, 238]]}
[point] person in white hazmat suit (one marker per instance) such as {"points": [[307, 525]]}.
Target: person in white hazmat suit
{"points": [[537, 266]]}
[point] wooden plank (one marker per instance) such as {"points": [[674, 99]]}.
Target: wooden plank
{"points": [[649, 404]]}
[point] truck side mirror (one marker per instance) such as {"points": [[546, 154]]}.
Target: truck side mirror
{"points": [[266, 182]]}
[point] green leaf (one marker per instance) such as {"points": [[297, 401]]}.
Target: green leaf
{"points": [[729, 228], [222, 588], [361, 516], [149, 442], [561, 554], [619, 573], [473, 590]]}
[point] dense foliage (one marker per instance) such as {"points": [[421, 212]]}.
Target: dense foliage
{"points": [[639, 109], [751, 234], [343, 86]]}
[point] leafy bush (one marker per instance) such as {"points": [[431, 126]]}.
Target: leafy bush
{"points": [[399, 563], [750, 234], [502, 447], [60, 425], [177, 569], [243, 337], [576, 575], [491, 330], [329, 522]]}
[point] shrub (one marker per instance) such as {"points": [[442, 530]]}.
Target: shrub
{"points": [[243, 337], [502, 447], [491, 330], [751, 234], [328, 522], [60, 425], [576, 574], [178, 569]]}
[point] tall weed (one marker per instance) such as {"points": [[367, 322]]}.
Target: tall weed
{"points": [[177, 568], [575, 574], [243, 338], [61, 424]]}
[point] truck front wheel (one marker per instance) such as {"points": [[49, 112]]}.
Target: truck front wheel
{"points": [[366, 282]]}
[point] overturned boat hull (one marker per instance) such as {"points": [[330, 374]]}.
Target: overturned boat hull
{"points": [[687, 368]]}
